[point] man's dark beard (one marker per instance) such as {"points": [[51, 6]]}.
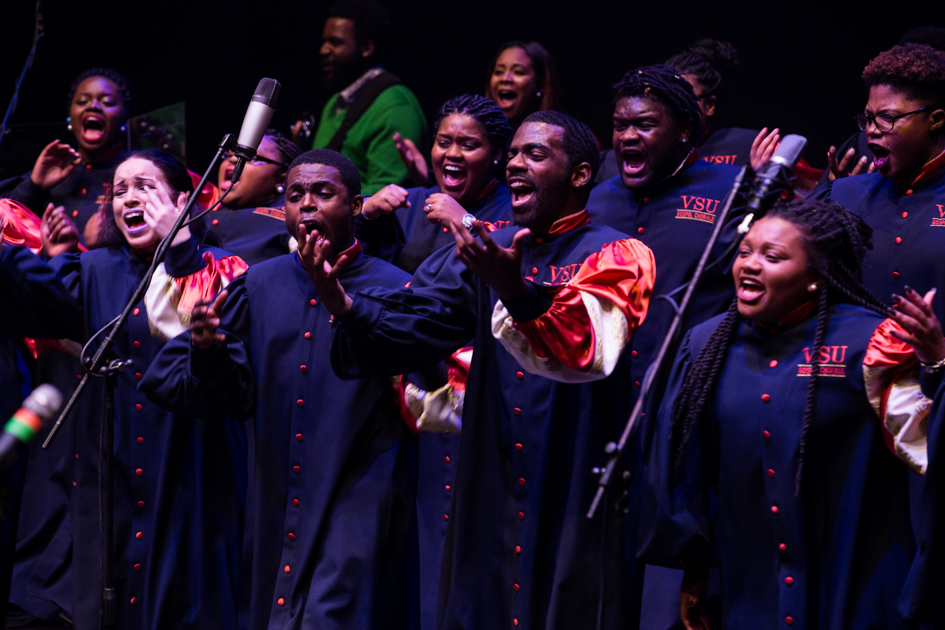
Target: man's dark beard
{"points": [[546, 202], [346, 72]]}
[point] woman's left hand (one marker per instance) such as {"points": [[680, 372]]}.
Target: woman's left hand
{"points": [[160, 213], [923, 330], [443, 209]]}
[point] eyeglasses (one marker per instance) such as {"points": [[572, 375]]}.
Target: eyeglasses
{"points": [[884, 122], [259, 158]]}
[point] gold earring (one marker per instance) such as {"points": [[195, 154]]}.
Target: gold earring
{"points": [[812, 287]]}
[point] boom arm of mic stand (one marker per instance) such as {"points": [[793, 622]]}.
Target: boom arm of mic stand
{"points": [[100, 358], [615, 450]]}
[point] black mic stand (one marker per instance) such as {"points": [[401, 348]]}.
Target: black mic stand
{"points": [[104, 364], [615, 449]]}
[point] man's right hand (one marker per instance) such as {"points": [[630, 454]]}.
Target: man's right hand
{"points": [[385, 201], [204, 321], [314, 254], [57, 232], [54, 164]]}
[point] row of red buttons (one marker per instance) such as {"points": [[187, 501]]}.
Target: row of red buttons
{"points": [[788, 581]]}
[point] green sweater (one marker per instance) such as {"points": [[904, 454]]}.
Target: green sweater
{"points": [[369, 144]]}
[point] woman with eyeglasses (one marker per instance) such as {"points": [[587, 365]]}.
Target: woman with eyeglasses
{"points": [[251, 223], [904, 121]]}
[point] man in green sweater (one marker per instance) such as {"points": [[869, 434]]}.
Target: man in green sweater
{"points": [[370, 104]]}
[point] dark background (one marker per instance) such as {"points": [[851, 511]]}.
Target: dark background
{"points": [[801, 61]]}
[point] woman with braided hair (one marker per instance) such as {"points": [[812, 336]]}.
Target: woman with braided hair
{"points": [[470, 136], [252, 224], [780, 433]]}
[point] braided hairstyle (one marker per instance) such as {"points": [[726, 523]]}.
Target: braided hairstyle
{"points": [[836, 241], [708, 60], [289, 150], [664, 84], [488, 116]]}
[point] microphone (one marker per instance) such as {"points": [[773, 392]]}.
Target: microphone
{"points": [[773, 179], [257, 119], [39, 407]]}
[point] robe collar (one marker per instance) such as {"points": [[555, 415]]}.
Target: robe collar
{"points": [[932, 167], [790, 320]]}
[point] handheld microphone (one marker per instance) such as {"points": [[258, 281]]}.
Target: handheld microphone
{"points": [[773, 179], [39, 407], [257, 119]]}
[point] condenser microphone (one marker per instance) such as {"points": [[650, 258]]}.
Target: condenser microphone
{"points": [[258, 116], [772, 181], [39, 407]]}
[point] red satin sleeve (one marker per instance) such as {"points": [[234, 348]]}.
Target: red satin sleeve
{"points": [[622, 273], [207, 282]]}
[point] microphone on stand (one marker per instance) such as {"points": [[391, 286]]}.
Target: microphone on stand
{"points": [[39, 407], [772, 181], [258, 116]]}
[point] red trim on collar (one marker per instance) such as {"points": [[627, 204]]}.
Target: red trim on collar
{"points": [[353, 252], [570, 222], [791, 319], [689, 161], [931, 167]]}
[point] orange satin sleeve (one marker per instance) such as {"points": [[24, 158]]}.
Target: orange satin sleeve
{"points": [[207, 282], [210, 194], [885, 361], [622, 273]]}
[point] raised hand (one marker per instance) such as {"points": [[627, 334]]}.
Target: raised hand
{"points": [[314, 254], [499, 267], [763, 147], [204, 321], [160, 213], [55, 162], [413, 158], [385, 201], [843, 167], [444, 210], [923, 330], [57, 232]]}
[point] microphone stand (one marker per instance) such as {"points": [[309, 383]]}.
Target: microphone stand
{"points": [[615, 449], [105, 364]]}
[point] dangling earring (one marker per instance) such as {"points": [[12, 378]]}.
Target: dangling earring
{"points": [[69, 123], [812, 287], [280, 188]]}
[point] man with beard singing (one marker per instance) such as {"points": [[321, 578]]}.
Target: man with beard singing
{"points": [[550, 305], [371, 104]]}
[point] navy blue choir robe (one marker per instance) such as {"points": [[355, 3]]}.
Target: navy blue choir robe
{"points": [[729, 145], [438, 452], [519, 550], [908, 229], [178, 510], [30, 305], [674, 218], [81, 193], [836, 554], [418, 238], [332, 497], [253, 234]]}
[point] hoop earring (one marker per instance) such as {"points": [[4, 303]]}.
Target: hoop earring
{"points": [[812, 287], [280, 188]]}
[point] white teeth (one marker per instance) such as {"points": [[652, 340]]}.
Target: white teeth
{"points": [[452, 169]]}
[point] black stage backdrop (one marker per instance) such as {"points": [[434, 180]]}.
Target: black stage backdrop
{"points": [[800, 69]]}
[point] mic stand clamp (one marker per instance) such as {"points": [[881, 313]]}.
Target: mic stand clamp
{"points": [[616, 466]]}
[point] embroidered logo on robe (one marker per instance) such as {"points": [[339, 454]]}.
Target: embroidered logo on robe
{"points": [[275, 213], [698, 208], [563, 275], [832, 361], [939, 221], [720, 159]]}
